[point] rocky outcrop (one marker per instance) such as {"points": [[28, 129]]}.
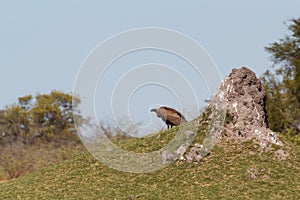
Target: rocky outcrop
{"points": [[246, 101]]}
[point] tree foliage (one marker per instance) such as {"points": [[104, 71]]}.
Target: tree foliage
{"points": [[283, 84], [46, 117], [37, 131]]}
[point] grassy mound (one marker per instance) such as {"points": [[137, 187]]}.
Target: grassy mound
{"points": [[232, 171]]}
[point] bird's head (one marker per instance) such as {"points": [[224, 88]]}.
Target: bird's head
{"points": [[153, 110]]}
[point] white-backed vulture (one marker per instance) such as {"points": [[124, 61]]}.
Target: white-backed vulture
{"points": [[169, 115]]}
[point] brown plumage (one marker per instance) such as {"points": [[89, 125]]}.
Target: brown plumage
{"points": [[169, 115]]}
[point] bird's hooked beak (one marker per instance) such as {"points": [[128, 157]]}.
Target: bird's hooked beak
{"points": [[153, 110]]}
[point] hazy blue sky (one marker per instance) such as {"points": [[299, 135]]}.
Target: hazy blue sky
{"points": [[43, 43]]}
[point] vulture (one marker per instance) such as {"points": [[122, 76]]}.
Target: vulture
{"points": [[169, 115]]}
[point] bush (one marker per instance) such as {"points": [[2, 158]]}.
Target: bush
{"points": [[17, 158]]}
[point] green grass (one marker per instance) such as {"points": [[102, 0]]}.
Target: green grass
{"points": [[224, 174]]}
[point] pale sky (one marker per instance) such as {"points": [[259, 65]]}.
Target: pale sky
{"points": [[43, 43]]}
